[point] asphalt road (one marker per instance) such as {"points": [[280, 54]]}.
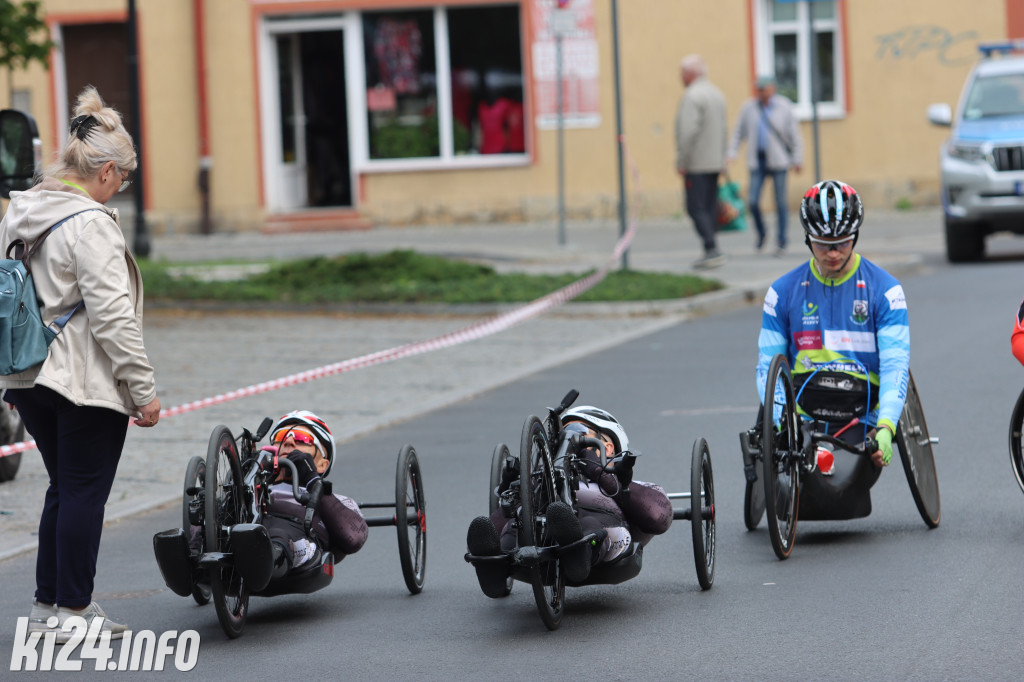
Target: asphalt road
{"points": [[876, 598]]}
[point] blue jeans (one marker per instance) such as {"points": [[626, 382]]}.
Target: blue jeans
{"points": [[757, 176]]}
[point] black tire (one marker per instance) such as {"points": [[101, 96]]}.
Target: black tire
{"points": [[412, 528], [1016, 445], [780, 459], [753, 504], [12, 430], [195, 481], [537, 490], [915, 447], [702, 513], [501, 453], [224, 509], [965, 241]]}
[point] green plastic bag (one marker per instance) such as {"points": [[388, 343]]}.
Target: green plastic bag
{"points": [[732, 209]]}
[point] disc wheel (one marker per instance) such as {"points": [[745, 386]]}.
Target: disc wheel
{"points": [[501, 453], [702, 513], [194, 492], [537, 491], [12, 430], [918, 460], [780, 458], [753, 497], [1017, 440], [224, 509], [411, 519]]}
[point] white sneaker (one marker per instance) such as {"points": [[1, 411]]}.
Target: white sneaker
{"points": [[39, 615], [115, 630]]}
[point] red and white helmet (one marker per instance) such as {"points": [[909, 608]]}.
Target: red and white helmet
{"points": [[318, 428]]}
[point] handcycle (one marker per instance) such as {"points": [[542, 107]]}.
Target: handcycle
{"points": [[228, 493], [550, 464], [784, 456]]}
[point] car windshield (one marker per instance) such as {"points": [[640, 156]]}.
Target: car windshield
{"points": [[1001, 95]]}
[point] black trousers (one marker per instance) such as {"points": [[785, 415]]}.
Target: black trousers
{"points": [[81, 447], [702, 205]]}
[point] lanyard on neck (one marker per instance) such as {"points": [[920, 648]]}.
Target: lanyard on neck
{"points": [[72, 184]]}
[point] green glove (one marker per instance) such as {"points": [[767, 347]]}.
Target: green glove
{"points": [[884, 439]]}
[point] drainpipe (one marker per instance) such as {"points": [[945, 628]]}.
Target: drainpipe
{"points": [[205, 161]]}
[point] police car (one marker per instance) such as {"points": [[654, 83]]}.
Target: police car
{"points": [[983, 160]]}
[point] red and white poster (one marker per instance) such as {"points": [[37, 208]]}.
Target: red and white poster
{"points": [[581, 105]]}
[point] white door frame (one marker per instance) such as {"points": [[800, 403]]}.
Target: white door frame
{"points": [[285, 188]]}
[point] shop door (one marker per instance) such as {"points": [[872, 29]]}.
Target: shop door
{"points": [[313, 160]]}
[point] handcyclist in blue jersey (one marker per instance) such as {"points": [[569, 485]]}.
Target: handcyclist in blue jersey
{"points": [[842, 323]]}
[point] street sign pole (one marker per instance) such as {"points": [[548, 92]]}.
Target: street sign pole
{"points": [[619, 142]]}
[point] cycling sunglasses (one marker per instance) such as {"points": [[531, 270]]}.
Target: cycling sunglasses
{"points": [[825, 246], [303, 437]]}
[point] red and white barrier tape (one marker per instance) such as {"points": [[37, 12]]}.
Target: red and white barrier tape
{"points": [[473, 332]]}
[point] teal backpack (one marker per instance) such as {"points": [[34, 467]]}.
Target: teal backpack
{"points": [[24, 339]]}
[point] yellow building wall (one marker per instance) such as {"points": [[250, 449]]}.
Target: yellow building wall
{"points": [[900, 57]]}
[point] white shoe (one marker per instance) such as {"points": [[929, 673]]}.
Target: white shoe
{"points": [[39, 615], [89, 613]]}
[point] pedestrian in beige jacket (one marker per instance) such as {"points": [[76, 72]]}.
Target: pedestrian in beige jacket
{"points": [[78, 402], [700, 152]]}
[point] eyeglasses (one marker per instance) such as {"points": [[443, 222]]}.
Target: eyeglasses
{"points": [[125, 182], [298, 436], [822, 246]]}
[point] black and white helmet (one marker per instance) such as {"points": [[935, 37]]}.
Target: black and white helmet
{"points": [[601, 421], [316, 425], [831, 210]]}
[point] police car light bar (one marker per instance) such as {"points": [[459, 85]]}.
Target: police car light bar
{"points": [[988, 49]]}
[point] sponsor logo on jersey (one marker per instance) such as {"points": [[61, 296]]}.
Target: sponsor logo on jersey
{"points": [[861, 284], [897, 300], [808, 309], [842, 340], [860, 312], [807, 340], [770, 299]]}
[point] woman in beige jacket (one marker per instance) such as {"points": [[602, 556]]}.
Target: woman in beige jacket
{"points": [[78, 402]]}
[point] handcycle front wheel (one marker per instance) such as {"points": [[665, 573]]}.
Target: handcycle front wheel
{"points": [[537, 490], [224, 509], [411, 519], [1016, 444], [779, 457], [702, 513], [915, 448], [498, 457], [195, 482]]}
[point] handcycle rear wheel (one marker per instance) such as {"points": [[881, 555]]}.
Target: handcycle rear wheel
{"points": [[195, 481], [537, 490], [918, 459], [224, 509], [411, 519], [1016, 444], [702, 513], [779, 458], [501, 453]]}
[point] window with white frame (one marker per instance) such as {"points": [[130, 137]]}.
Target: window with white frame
{"points": [[443, 85], [784, 49]]}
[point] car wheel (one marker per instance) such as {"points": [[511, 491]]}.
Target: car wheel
{"points": [[965, 241]]}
